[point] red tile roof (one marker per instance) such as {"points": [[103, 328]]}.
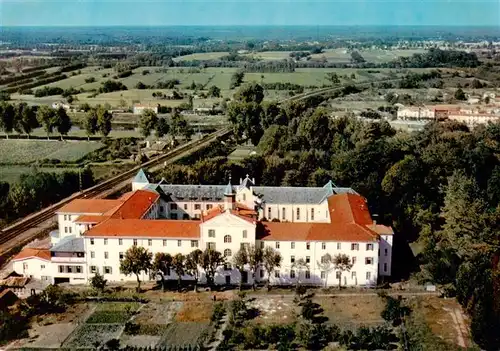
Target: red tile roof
{"points": [[27, 253], [90, 206], [349, 222], [146, 228], [381, 229], [136, 205]]}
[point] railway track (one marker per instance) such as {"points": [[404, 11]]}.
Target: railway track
{"points": [[100, 190]]}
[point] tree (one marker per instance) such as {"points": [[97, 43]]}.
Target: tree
{"points": [[162, 265], [236, 79], [62, 122], [136, 260], [179, 266], [214, 91], [342, 263], [180, 126], [90, 122], [240, 260], [333, 77], [25, 119], [271, 260], [251, 92], [147, 122], [210, 261], [300, 266], [162, 127], [357, 58], [326, 265], [98, 282], [255, 255], [193, 261], [104, 121], [46, 117], [460, 95], [7, 118]]}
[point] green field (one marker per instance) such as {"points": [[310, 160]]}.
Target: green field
{"points": [[28, 151], [375, 56], [11, 174]]}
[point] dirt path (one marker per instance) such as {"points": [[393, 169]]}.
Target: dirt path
{"points": [[460, 327], [219, 336]]}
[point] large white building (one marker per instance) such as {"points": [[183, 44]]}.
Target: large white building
{"points": [[299, 222]]}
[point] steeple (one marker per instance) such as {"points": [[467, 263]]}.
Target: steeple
{"points": [[229, 196]]}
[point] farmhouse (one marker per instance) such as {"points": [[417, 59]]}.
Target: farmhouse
{"points": [[138, 108], [298, 222]]}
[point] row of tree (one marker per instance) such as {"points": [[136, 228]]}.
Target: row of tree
{"points": [[178, 126], [23, 119]]}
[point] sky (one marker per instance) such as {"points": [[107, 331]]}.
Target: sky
{"points": [[244, 12]]}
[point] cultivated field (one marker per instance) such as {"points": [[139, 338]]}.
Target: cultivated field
{"points": [[202, 56], [28, 151], [11, 174]]}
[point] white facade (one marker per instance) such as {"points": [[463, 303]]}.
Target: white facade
{"points": [[91, 241]]}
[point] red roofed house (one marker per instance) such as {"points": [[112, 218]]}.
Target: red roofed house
{"points": [[306, 223]]}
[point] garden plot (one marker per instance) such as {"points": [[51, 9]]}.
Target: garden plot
{"points": [[51, 336], [352, 311], [195, 311], [185, 334], [274, 310], [158, 313], [90, 335]]}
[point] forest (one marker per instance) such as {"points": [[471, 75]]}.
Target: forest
{"points": [[439, 188]]}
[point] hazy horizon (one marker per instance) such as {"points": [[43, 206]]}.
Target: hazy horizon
{"points": [[112, 13]]}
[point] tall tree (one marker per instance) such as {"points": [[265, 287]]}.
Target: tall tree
{"points": [[137, 259], [104, 121], [240, 260], [147, 122], [193, 262], [62, 122], [214, 91], [7, 117], [90, 122], [180, 126], [47, 118], [210, 261], [255, 256], [161, 265], [271, 260], [179, 266], [98, 282], [300, 266], [26, 119], [162, 127], [342, 263], [326, 265]]}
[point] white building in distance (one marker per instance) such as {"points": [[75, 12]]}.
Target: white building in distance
{"points": [[138, 108], [298, 222]]}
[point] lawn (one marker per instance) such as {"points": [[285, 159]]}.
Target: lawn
{"points": [[11, 174], [241, 152], [28, 151]]}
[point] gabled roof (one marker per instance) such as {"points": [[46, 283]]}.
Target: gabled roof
{"points": [[27, 253], [145, 228], [136, 205], [349, 221], [247, 183], [244, 214], [90, 206], [141, 177]]}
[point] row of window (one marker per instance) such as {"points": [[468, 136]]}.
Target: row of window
{"points": [[194, 243], [67, 217], [307, 274], [227, 238], [67, 230], [283, 213], [174, 207], [70, 269], [354, 246], [105, 269]]}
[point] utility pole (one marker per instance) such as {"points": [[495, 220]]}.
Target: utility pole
{"points": [[80, 178]]}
